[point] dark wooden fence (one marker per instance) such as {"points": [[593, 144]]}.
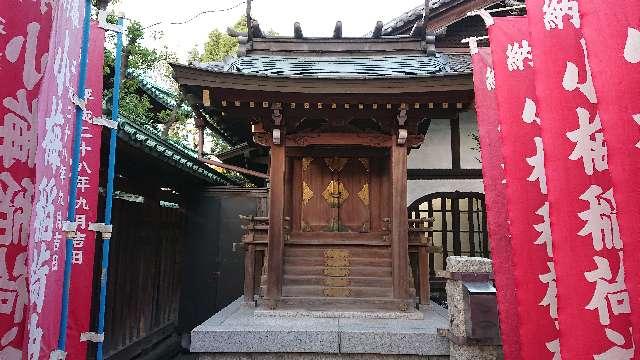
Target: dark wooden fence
{"points": [[144, 277]]}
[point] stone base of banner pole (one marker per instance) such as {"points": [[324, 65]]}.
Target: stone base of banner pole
{"points": [[471, 299]]}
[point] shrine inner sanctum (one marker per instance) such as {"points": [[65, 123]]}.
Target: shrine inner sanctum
{"points": [[331, 131]]}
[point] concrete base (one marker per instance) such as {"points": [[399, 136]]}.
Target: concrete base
{"points": [[237, 333]]}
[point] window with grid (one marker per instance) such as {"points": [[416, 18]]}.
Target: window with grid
{"points": [[459, 226]]}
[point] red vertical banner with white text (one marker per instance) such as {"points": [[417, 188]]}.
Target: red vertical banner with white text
{"points": [[526, 190], [589, 256], [613, 36], [496, 201], [86, 203], [56, 118], [25, 27]]}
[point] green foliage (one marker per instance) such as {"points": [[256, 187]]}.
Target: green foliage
{"points": [[219, 44]]}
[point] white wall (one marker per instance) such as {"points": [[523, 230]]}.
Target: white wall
{"points": [[435, 152], [418, 188], [469, 148]]}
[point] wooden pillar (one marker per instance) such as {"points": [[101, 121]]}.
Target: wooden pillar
{"points": [[249, 274], [200, 126], [423, 276], [275, 249], [399, 221]]}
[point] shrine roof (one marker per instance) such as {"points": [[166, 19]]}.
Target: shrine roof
{"points": [[346, 67], [153, 143]]}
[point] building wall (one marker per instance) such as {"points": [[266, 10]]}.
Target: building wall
{"points": [[437, 153]]}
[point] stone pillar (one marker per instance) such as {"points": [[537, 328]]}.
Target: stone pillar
{"points": [[461, 268]]}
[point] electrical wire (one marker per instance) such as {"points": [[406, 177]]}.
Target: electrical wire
{"points": [[190, 19]]}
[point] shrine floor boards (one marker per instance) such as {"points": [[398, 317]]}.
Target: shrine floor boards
{"points": [[243, 330]]}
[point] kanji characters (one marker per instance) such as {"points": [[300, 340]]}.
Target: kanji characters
{"points": [[554, 348], [44, 210], [13, 288], [551, 297], [632, 46], [592, 151], [617, 352], [38, 276], [35, 338], [2, 30], [544, 229], [636, 118], [18, 131], [15, 209], [608, 294], [517, 53], [571, 77], [490, 79], [556, 10], [530, 112], [52, 143], [30, 76], [537, 162], [601, 219]]}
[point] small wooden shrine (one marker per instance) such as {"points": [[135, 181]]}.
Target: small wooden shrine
{"points": [[332, 121]]}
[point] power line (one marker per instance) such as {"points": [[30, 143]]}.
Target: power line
{"points": [[198, 15]]}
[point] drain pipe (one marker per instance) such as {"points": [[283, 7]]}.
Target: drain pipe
{"points": [[106, 236], [70, 225]]}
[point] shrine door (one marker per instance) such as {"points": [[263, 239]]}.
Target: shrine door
{"points": [[335, 194]]}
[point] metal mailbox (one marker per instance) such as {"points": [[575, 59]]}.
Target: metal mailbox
{"points": [[481, 312]]}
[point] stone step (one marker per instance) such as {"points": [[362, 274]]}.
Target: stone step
{"points": [[292, 280], [358, 271], [332, 292], [345, 304], [321, 261]]}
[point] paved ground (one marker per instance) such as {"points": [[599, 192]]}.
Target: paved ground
{"points": [[239, 329]]}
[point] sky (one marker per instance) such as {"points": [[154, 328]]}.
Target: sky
{"points": [[317, 18]]}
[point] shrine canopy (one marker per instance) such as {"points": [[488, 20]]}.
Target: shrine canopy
{"points": [[356, 85]]}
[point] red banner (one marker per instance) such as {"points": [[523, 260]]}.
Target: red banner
{"points": [[524, 168], [56, 118], [496, 201], [24, 43], [593, 301], [613, 36], [87, 202]]}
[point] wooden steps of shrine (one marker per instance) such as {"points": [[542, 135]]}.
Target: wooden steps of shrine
{"points": [[339, 271], [342, 303], [295, 280], [337, 291], [319, 261]]}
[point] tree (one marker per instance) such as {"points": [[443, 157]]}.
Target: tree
{"points": [[219, 45]]}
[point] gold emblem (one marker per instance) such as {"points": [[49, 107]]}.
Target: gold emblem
{"points": [[306, 227], [336, 261], [307, 193], [336, 164], [337, 292], [335, 194], [335, 253], [306, 161], [337, 271], [365, 163], [336, 282], [364, 194]]}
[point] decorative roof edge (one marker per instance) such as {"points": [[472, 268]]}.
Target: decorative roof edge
{"points": [[154, 144]]}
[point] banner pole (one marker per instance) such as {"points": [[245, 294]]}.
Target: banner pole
{"points": [[106, 237], [73, 184]]}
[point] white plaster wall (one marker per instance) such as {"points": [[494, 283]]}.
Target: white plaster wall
{"points": [[469, 151], [435, 152], [419, 188]]}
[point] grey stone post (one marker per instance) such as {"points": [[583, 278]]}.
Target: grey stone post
{"points": [[461, 348]]}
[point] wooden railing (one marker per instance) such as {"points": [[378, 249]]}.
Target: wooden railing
{"points": [[256, 238]]}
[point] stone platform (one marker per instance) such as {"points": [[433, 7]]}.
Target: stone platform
{"points": [[241, 332]]}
